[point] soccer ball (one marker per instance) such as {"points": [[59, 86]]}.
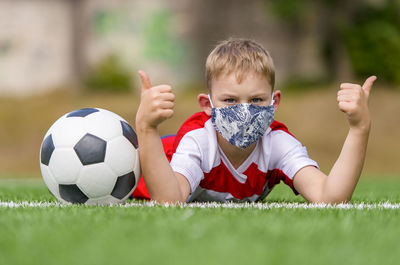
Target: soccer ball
{"points": [[90, 156]]}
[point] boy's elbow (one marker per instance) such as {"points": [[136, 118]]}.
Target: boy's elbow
{"points": [[169, 199], [330, 199]]}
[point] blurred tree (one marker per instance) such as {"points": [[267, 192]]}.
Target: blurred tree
{"points": [[109, 75], [79, 32], [329, 15], [211, 25], [366, 33], [373, 41], [160, 39]]}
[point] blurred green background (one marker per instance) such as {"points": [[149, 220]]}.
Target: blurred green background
{"points": [[61, 55]]}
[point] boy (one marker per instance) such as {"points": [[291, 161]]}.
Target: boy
{"points": [[233, 150]]}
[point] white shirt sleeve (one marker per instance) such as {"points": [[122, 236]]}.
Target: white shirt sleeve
{"points": [[288, 154], [187, 160]]}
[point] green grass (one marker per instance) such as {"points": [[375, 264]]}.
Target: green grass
{"points": [[160, 235]]}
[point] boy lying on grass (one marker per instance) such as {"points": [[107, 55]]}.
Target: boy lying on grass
{"points": [[234, 150]]}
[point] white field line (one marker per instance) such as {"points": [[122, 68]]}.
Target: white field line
{"points": [[229, 205]]}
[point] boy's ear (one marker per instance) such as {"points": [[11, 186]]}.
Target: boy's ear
{"points": [[277, 98], [204, 103]]}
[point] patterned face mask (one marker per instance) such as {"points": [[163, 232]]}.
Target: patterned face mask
{"points": [[242, 124]]}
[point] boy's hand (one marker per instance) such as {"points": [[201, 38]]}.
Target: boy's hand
{"points": [[156, 104], [353, 100]]}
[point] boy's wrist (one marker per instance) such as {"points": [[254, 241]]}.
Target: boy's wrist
{"points": [[145, 129], [361, 125], [361, 129]]}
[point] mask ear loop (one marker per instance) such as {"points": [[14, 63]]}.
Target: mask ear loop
{"points": [[209, 98]]}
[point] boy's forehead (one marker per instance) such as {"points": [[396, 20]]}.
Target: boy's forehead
{"points": [[248, 81]]}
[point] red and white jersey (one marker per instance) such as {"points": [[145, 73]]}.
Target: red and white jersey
{"points": [[278, 155]]}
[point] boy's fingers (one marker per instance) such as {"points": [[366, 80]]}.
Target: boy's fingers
{"points": [[167, 97], [345, 92], [145, 80], [345, 98], [163, 88], [166, 105], [346, 106], [345, 86], [368, 84]]}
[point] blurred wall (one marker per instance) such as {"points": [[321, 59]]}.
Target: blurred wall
{"points": [[45, 44], [172, 38], [35, 45]]}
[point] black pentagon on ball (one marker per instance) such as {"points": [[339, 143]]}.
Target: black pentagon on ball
{"points": [[124, 185], [82, 112], [72, 193], [91, 149], [129, 133], [47, 150]]}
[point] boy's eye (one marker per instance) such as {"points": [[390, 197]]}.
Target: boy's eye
{"points": [[229, 100], [256, 100]]}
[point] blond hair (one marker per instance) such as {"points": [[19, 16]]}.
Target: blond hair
{"points": [[239, 56]]}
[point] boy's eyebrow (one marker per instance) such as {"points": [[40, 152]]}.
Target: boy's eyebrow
{"points": [[256, 94], [259, 94], [228, 94]]}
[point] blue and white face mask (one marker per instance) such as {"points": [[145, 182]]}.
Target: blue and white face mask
{"points": [[242, 124]]}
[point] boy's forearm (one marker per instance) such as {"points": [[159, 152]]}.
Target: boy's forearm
{"points": [[158, 175], [345, 173], [156, 105], [342, 180]]}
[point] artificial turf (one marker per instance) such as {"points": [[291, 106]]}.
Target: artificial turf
{"points": [[182, 235]]}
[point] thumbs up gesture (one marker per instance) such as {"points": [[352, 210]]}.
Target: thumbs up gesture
{"points": [[353, 101], [156, 104]]}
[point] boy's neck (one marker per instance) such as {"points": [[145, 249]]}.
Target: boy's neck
{"points": [[234, 154]]}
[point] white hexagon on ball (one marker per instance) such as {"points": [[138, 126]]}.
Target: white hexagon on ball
{"points": [[103, 124], [67, 131], [120, 147], [96, 180], [49, 180], [65, 165]]}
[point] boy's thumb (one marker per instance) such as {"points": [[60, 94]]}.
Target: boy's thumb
{"points": [[145, 80], [368, 84]]}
